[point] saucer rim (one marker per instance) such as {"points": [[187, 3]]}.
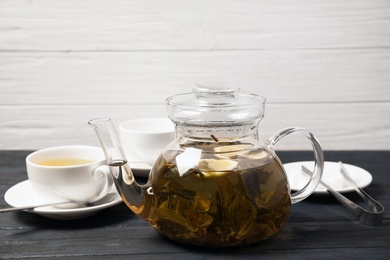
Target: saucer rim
{"points": [[58, 213], [142, 166], [139, 170], [364, 176]]}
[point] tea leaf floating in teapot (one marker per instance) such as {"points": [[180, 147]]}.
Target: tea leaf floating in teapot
{"points": [[230, 151], [187, 160], [214, 138], [217, 165]]}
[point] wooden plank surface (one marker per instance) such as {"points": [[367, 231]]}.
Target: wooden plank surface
{"points": [[282, 76], [345, 130], [319, 227], [321, 65], [192, 25]]}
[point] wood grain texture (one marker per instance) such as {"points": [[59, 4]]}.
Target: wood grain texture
{"points": [[193, 25], [287, 76], [319, 227], [337, 126], [321, 65]]}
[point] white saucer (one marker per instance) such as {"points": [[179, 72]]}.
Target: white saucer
{"points": [[330, 176], [22, 194], [140, 169]]}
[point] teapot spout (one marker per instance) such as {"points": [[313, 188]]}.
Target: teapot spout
{"points": [[131, 192]]}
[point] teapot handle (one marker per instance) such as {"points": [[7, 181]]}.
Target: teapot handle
{"points": [[318, 160]]}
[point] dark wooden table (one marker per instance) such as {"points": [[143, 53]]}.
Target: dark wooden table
{"points": [[319, 227]]}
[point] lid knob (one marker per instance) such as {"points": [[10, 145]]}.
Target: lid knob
{"points": [[215, 94]]}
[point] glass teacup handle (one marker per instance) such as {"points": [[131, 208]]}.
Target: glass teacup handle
{"points": [[318, 160]]}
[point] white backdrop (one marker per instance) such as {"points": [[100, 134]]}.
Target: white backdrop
{"points": [[322, 65]]}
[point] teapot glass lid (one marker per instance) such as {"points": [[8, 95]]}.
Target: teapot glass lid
{"points": [[215, 104]]}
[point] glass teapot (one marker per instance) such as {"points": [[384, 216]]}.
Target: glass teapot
{"points": [[216, 184]]}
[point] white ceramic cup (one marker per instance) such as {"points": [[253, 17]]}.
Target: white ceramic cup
{"points": [[85, 181], [144, 139]]}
